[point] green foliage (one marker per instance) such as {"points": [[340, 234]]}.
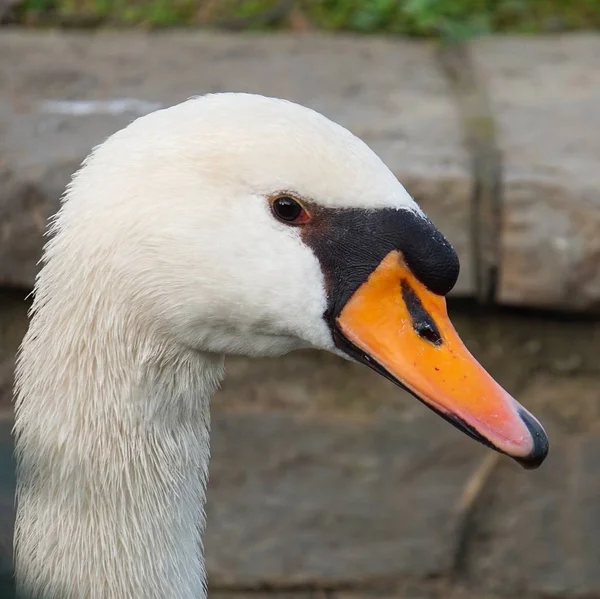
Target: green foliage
{"points": [[451, 19], [80, 12], [456, 18]]}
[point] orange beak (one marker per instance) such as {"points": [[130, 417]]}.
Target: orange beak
{"points": [[401, 329]]}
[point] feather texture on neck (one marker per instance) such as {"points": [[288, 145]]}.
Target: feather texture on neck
{"points": [[113, 451]]}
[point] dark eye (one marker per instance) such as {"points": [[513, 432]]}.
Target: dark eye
{"points": [[289, 210]]}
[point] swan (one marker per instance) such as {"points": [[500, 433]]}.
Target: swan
{"points": [[228, 224]]}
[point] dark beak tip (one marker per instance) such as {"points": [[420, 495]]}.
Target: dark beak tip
{"points": [[541, 444]]}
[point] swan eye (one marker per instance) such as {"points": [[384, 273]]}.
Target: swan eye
{"points": [[289, 211]]}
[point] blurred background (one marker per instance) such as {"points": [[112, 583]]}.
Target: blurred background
{"points": [[326, 480]]}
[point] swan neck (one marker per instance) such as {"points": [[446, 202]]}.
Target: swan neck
{"points": [[112, 444]]}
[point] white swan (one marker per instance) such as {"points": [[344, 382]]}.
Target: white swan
{"points": [[229, 224]]}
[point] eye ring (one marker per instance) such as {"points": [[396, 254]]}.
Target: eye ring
{"points": [[289, 210]]}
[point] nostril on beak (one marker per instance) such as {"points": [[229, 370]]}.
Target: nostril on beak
{"points": [[422, 322], [428, 331], [541, 445]]}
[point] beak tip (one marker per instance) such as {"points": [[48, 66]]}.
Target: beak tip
{"points": [[540, 446]]}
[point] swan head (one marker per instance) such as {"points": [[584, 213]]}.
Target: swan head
{"points": [[239, 224]]}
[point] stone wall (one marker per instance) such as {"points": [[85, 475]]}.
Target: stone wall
{"points": [[508, 122], [326, 479]]}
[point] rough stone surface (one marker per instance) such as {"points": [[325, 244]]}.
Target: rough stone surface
{"points": [[537, 534], [570, 403], [389, 93], [332, 501], [545, 93]]}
